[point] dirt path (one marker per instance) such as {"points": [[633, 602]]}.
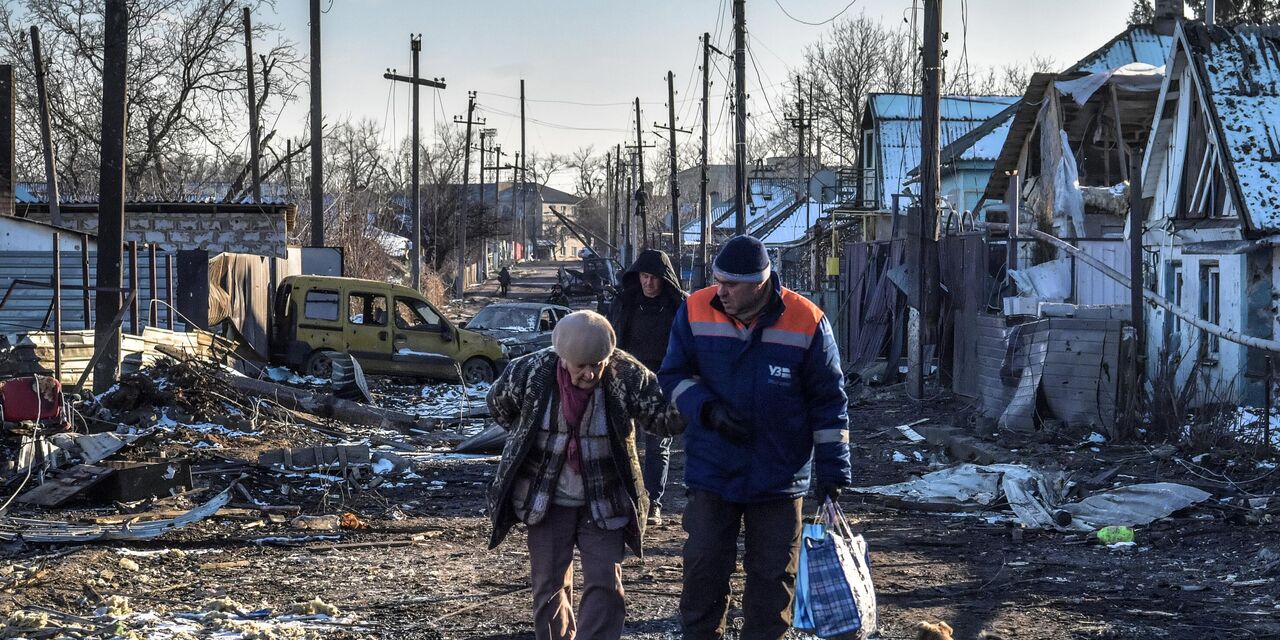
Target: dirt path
{"points": [[1194, 576]]}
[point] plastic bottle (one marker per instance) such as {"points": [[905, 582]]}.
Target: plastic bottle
{"points": [[1115, 535]]}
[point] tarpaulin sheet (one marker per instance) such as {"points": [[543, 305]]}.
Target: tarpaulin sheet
{"points": [[240, 292], [1034, 496]]}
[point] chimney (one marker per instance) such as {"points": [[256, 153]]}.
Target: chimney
{"points": [[1169, 10], [8, 132]]}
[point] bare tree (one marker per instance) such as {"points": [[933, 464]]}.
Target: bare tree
{"points": [[187, 119]]}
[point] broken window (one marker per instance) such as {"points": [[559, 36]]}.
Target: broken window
{"points": [[321, 305], [369, 309], [417, 315], [1210, 308]]}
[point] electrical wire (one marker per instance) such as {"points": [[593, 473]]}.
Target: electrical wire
{"points": [[815, 24]]}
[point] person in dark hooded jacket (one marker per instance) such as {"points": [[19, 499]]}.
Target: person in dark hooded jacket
{"points": [[641, 316]]}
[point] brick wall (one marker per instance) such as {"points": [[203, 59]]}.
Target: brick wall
{"points": [[257, 232]]}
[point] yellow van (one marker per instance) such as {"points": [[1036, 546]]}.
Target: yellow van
{"points": [[390, 329]]}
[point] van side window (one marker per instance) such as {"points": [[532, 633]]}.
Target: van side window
{"points": [[321, 305], [369, 309], [417, 315]]}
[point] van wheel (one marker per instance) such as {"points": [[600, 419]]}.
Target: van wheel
{"points": [[320, 364], [477, 370]]}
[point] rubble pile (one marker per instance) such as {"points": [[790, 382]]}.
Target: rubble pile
{"points": [[191, 451]]}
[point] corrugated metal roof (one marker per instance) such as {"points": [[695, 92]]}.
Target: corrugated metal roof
{"points": [[898, 106], [1241, 69], [1139, 43]]}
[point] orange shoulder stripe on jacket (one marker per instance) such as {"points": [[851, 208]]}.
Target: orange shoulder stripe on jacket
{"points": [[800, 316], [699, 307]]}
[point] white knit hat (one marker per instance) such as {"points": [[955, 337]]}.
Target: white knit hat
{"points": [[583, 337]]}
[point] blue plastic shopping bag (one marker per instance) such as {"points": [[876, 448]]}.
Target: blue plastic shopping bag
{"points": [[801, 615], [840, 597]]}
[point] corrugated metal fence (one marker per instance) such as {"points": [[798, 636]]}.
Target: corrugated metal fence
{"points": [[25, 278]]}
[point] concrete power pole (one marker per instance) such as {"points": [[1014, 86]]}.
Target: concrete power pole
{"points": [[676, 233], [415, 197], [317, 134], [460, 280], [740, 113], [924, 230], [255, 155], [115, 67], [50, 154]]}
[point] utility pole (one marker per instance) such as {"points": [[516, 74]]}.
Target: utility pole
{"points": [[460, 281], [642, 198], [497, 168], [50, 154], [415, 197], [740, 113], [924, 232], [704, 205], [629, 220], [608, 198], [485, 135], [615, 182], [517, 222], [676, 240], [317, 134], [115, 67], [255, 158], [530, 230], [801, 123]]}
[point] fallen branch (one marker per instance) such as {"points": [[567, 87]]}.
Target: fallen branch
{"points": [[327, 406]]}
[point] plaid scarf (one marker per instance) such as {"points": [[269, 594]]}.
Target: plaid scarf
{"points": [[550, 476]]}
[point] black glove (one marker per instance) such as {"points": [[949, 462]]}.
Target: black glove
{"points": [[830, 491], [722, 419]]}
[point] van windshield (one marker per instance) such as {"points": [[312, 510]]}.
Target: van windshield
{"points": [[505, 319]]}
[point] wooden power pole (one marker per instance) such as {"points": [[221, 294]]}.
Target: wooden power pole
{"points": [[740, 113], [460, 280], [924, 231], [675, 183], [115, 67], [255, 157], [317, 134], [415, 197], [704, 204], [50, 154]]}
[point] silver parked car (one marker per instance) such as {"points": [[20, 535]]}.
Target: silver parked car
{"points": [[521, 327]]}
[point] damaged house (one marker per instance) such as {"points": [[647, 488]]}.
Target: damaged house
{"points": [[1211, 186], [1057, 351]]}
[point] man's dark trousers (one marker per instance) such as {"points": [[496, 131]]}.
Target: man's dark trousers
{"points": [[657, 461], [710, 555]]}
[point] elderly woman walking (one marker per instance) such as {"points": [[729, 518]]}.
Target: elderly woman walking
{"points": [[569, 470]]}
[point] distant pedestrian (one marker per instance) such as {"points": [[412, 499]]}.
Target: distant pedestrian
{"points": [[642, 315], [504, 281], [569, 470], [754, 369]]}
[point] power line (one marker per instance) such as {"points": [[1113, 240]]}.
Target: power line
{"points": [[814, 24]]}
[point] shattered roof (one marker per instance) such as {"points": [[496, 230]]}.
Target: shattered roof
{"points": [[1138, 43], [896, 118], [1240, 70]]}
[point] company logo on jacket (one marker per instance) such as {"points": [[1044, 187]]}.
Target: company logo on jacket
{"points": [[778, 373]]}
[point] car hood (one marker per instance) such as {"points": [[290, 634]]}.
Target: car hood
{"points": [[507, 336]]}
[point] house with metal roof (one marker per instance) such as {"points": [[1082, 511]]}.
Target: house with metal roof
{"points": [[1211, 194], [890, 151]]}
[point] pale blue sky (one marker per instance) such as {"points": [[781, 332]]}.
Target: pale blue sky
{"points": [[612, 51]]}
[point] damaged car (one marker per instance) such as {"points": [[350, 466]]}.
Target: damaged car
{"points": [[521, 327]]}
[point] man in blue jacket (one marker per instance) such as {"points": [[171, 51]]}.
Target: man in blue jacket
{"points": [[755, 370]]}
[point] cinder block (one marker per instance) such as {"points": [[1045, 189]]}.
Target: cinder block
{"points": [[239, 224], [187, 223], [137, 223], [228, 236], [251, 236], [154, 236], [163, 224], [203, 238], [179, 236]]}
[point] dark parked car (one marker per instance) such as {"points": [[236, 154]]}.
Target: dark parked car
{"points": [[522, 327]]}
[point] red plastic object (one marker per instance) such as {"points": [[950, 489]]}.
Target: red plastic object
{"points": [[22, 403]]}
